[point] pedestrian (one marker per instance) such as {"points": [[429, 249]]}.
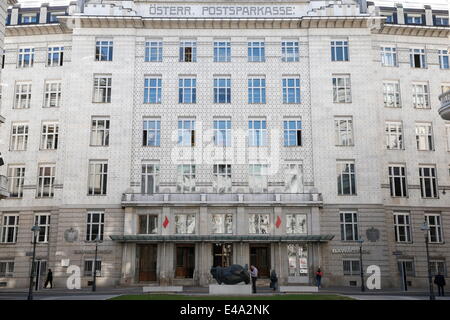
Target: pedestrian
{"points": [[273, 280], [439, 280], [49, 279], [319, 275], [254, 275]]}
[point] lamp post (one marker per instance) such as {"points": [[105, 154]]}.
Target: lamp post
{"points": [[360, 241], [94, 285], [35, 229], [426, 228]]}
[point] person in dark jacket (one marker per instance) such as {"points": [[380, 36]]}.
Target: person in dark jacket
{"points": [[319, 275], [49, 279], [439, 280], [273, 280]]}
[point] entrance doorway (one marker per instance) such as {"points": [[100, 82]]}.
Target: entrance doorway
{"points": [[40, 271], [185, 261], [147, 255], [260, 258], [222, 254]]}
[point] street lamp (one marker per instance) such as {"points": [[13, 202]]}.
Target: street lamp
{"points": [[360, 241], [426, 228], [94, 286], [35, 229]]}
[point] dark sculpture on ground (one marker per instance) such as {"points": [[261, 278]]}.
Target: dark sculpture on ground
{"points": [[231, 275]]}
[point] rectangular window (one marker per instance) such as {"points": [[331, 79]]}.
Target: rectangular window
{"points": [[413, 19], [349, 226], [402, 227], [222, 133], [296, 224], [188, 51], [187, 90], [19, 137], [148, 224], [29, 18], [152, 90], [417, 58], [391, 94], [184, 224], [25, 58], [100, 131], [95, 225], [421, 98], [438, 267], [344, 131], [42, 220], [23, 95], [346, 181], [351, 267], [435, 232], [428, 182], [424, 136], [6, 269], [256, 51], [257, 90], [49, 137], [46, 181], [222, 90], [394, 135], [221, 223], [54, 16], [102, 88], [293, 177], [389, 56], [16, 178], [151, 135], [291, 90], [397, 180], [339, 50], [52, 94], [89, 268], [9, 228], [259, 223], [341, 89], [289, 51], [186, 132], [150, 178], [55, 56], [103, 50], [441, 20], [257, 133], [186, 178], [153, 51], [98, 177], [444, 58], [258, 178], [222, 51], [292, 133], [222, 178]]}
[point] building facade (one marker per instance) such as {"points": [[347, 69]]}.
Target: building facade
{"points": [[181, 136]]}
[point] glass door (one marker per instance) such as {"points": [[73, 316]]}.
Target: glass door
{"points": [[298, 263]]}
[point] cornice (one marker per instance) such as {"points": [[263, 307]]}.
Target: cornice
{"points": [[35, 29], [411, 30]]}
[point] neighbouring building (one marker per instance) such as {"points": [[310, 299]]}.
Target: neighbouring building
{"points": [[188, 135]]}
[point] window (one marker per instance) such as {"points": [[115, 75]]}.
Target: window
{"points": [[222, 178], [221, 223], [394, 135], [187, 90], [424, 136], [402, 227], [148, 224], [293, 174], [25, 58], [29, 18], [153, 51], [258, 178], [49, 138], [421, 99], [436, 267], [54, 16], [52, 94], [444, 58], [222, 254], [222, 90], [289, 51], [98, 177], [409, 267], [341, 89], [298, 260], [19, 137], [417, 58], [257, 90], [222, 51], [16, 177], [413, 19], [103, 50], [291, 90], [95, 225], [292, 133], [9, 228], [351, 267], [428, 183], [389, 56], [23, 95], [339, 50], [188, 51], [151, 135], [6, 269], [296, 223], [256, 51], [46, 181], [89, 267], [441, 20], [149, 178], [222, 133], [55, 56], [391, 94], [397, 180], [258, 224], [42, 220], [346, 183], [152, 90], [349, 226], [186, 178], [257, 133], [100, 131], [186, 132], [344, 131], [102, 88], [184, 224], [435, 232]]}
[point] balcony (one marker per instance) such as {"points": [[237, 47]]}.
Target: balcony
{"points": [[3, 187], [444, 110], [227, 199]]}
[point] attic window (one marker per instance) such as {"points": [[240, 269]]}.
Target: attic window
{"points": [[414, 19], [29, 18]]}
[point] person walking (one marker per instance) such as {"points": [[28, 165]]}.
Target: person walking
{"points": [[439, 280], [49, 279], [254, 275], [319, 275], [273, 280]]}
